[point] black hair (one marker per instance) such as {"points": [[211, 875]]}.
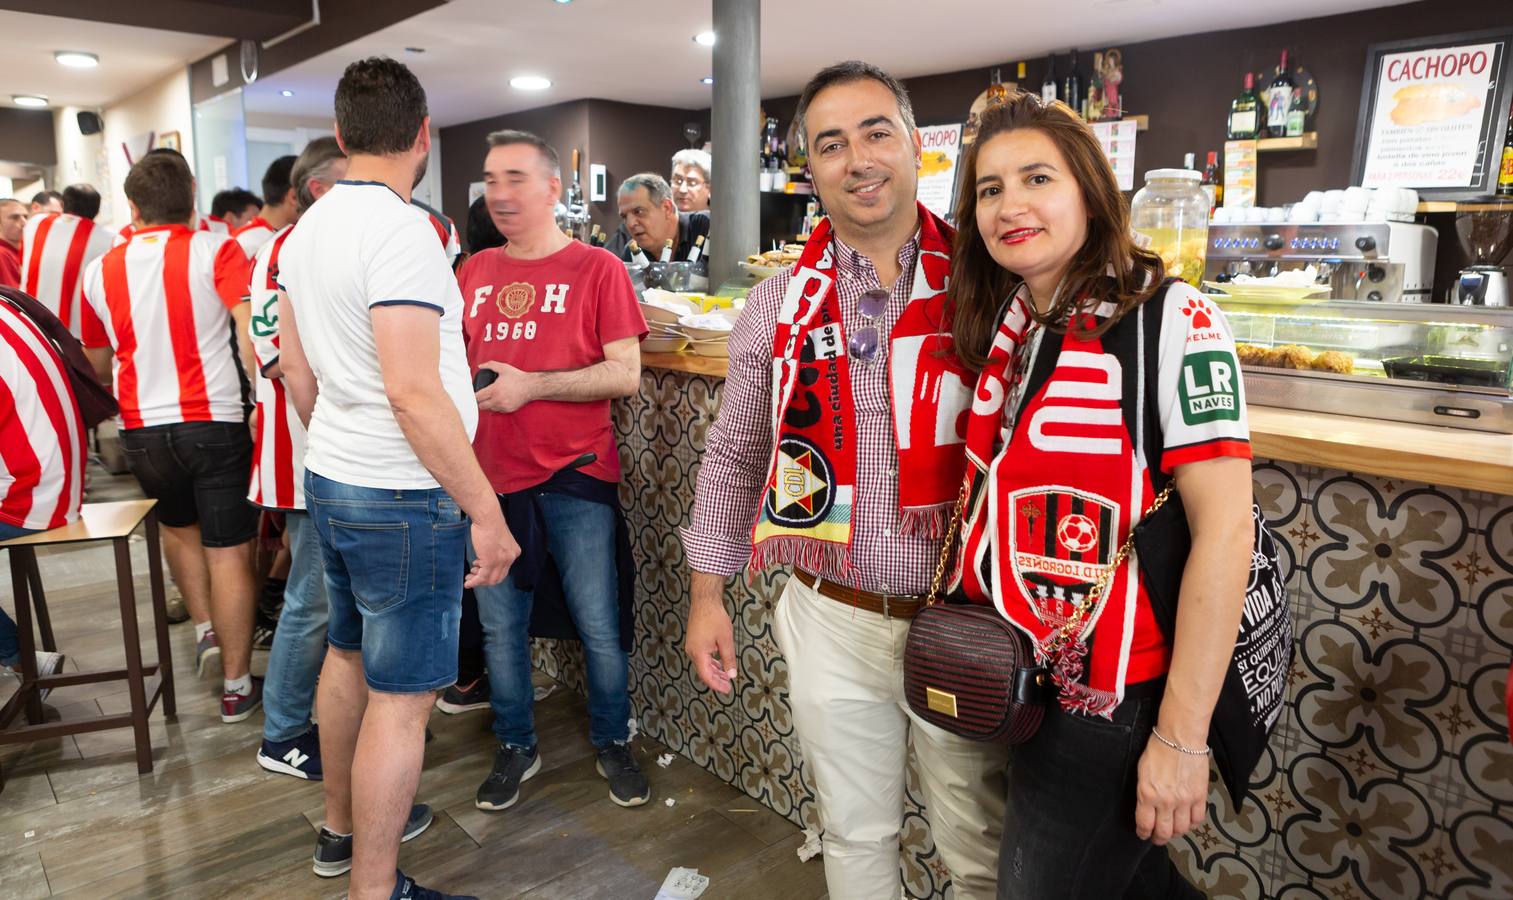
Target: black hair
{"points": [[847, 72], [233, 201], [380, 107], [276, 183], [482, 233], [42, 198], [162, 189], [81, 200]]}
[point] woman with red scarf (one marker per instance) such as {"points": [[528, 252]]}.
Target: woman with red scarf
{"points": [[1078, 419]]}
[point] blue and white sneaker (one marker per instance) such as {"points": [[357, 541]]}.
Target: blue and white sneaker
{"points": [[299, 757]]}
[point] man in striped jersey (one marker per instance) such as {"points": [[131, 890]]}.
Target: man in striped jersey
{"points": [[279, 212], [291, 745], [165, 300], [55, 251], [230, 210], [41, 449]]}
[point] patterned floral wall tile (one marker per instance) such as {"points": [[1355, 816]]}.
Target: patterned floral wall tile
{"points": [[1388, 775]]}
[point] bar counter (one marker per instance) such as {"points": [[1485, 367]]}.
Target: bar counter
{"points": [[1390, 773]]}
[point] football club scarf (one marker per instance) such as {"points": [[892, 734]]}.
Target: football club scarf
{"points": [[806, 514]]}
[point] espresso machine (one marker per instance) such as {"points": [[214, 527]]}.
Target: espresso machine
{"points": [[1486, 234], [1389, 262]]}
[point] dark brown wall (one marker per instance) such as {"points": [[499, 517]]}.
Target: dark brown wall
{"points": [[26, 136], [463, 147], [1185, 85], [629, 138]]}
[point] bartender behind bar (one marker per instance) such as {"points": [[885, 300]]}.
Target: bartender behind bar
{"points": [[649, 218]]}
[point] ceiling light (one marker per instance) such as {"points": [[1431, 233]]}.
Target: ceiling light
{"points": [[704, 38], [530, 83], [287, 93], [31, 101], [564, 2], [707, 79], [76, 59]]}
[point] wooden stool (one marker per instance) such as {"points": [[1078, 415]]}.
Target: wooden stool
{"points": [[112, 522]]}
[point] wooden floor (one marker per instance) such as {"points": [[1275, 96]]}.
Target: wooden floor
{"points": [[76, 820]]}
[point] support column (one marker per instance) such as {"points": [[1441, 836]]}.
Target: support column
{"points": [[735, 212]]}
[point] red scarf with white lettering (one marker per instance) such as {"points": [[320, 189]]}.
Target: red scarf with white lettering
{"points": [[807, 512]]}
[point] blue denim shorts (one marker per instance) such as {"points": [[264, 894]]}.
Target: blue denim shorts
{"points": [[394, 568]]}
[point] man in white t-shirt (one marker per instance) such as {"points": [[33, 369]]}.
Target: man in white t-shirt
{"points": [[372, 353]]}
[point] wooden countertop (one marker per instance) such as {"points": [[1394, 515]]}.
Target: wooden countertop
{"points": [[1450, 457]]}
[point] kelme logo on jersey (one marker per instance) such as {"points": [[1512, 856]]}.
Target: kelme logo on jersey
{"points": [[1209, 388], [516, 299]]}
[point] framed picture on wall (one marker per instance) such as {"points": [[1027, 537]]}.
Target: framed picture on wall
{"points": [[170, 139], [1433, 114]]}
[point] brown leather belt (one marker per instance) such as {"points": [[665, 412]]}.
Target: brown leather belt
{"points": [[894, 606]]}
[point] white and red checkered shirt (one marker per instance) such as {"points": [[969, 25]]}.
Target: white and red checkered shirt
{"points": [[55, 250], [739, 447]]}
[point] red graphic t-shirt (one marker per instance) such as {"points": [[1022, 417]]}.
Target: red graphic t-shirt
{"points": [[545, 315]]}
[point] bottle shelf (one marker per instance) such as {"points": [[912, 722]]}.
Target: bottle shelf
{"points": [[1307, 141]]}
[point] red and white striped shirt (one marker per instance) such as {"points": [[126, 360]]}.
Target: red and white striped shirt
{"points": [[163, 301], [55, 251], [202, 223], [41, 433], [278, 460], [253, 236]]}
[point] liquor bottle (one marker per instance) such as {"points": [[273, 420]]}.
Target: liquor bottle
{"points": [[997, 93], [1189, 161], [696, 250], [1211, 181], [1048, 87], [1071, 87], [636, 256], [1019, 77], [666, 251], [1505, 174], [1297, 114], [1243, 112], [1279, 100]]}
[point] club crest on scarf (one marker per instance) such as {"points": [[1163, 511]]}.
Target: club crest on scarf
{"points": [[806, 513], [1062, 540]]}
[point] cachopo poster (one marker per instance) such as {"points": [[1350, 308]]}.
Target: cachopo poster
{"points": [[940, 148], [1429, 116]]}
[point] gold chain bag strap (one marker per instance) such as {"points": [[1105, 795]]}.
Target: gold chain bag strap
{"points": [[967, 669]]}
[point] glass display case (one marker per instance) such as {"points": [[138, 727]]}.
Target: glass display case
{"points": [[1417, 362]]}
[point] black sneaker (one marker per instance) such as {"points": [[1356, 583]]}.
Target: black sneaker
{"points": [[405, 888], [333, 852], [460, 699], [512, 765], [262, 638], [627, 785], [299, 757]]}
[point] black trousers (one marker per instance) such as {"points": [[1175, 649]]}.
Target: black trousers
{"points": [[1069, 829]]}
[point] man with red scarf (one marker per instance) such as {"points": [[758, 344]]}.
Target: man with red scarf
{"points": [[838, 451]]}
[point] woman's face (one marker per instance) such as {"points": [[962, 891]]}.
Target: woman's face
{"points": [[1030, 210]]}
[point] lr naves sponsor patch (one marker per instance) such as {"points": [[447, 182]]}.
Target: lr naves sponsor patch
{"points": [[1209, 387]]}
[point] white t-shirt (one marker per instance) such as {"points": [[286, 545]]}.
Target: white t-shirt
{"points": [[358, 248]]}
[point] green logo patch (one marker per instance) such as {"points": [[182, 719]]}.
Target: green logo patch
{"points": [[1209, 389]]}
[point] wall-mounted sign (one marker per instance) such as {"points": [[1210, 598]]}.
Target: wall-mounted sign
{"points": [[1433, 114], [941, 148]]}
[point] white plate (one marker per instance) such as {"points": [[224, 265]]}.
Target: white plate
{"points": [[1277, 295], [761, 271], [716, 349]]}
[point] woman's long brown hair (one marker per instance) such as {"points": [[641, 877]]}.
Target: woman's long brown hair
{"points": [[1108, 267]]}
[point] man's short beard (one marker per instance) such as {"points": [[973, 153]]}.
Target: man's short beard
{"points": [[420, 171]]}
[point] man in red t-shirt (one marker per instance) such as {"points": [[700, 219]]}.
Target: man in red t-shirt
{"points": [[557, 322]]}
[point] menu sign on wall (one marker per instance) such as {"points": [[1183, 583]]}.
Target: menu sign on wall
{"points": [[941, 148], [1432, 115]]}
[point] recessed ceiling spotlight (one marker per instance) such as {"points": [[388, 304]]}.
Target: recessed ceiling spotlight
{"points": [[31, 101], [415, 49], [76, 59], [704, 38], [707, 79], [286, 93], [530, 83], [564, 2]]}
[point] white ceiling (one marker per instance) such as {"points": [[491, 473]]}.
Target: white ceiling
{"points": [[130, 58], [643, 51]]}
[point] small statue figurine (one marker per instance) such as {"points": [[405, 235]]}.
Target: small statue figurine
{"points": [[1112, 73]]}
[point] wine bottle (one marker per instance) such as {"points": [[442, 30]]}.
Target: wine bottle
{"points": [[636, 256], [1048, 87], [1211, 181], [1019, 77], [997, 93], [1297, 114], [696, 250], [1505, 173], [1244, 111], [1279, 100], [666, 251], [1071, 87]]}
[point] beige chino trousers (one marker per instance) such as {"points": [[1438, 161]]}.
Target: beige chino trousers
{"points": [[846, 687]]}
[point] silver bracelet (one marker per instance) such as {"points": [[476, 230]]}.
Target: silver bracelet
{"points": [[1206, 751]]}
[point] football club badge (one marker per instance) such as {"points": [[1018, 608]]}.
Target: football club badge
{"points": [[805, 488], [1063, 539]]}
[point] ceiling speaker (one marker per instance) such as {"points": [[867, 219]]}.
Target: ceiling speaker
{"points": [[89, 123]]}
